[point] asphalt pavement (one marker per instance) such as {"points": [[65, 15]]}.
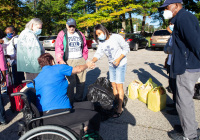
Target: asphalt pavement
{"points": [[137, 122]]}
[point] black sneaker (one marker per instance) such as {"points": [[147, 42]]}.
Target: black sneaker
{"points": [[179, 136], [172, 112]]}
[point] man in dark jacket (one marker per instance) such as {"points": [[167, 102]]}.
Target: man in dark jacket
{"points": [[185, 64]]}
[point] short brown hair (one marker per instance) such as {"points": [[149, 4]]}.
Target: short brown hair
{"points": [[45, 59]]}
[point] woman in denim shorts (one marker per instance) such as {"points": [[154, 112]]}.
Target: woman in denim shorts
{"points": [[116, 49]]}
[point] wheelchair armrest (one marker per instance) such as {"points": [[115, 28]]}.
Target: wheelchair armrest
{"points": [[48, 116]]}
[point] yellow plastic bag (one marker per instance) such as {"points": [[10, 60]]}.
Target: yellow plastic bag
{"points": [[133, 89], [145, 89], [157, 99]]}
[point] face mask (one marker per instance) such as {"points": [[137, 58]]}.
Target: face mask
{"points": [[9, 35], [102, 37], [38, 31], [167, 14], [171, 27]]}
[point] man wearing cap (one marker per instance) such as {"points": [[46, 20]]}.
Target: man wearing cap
{"points": [[185, 65], [71, 49]]}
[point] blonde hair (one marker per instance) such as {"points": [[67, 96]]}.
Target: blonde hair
{"points": [[33, 22]]}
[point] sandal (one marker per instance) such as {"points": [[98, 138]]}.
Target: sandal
{"points": [[117, 115]]}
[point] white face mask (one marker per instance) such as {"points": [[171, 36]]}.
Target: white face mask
{"points": [[171, 27], [102, 37], [167, 14], [38, 31]]}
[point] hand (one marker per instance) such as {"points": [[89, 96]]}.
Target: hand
{"points": [[8, 64], [116, 62], [91, 65], [3, 82], [61, 62]]}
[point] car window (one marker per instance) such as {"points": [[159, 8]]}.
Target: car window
{"points": [[51, 37], [42, 38], [161, 32]]}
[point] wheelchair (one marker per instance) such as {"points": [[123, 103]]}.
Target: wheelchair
{"points": [[31, 126]]}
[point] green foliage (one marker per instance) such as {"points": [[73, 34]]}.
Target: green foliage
{"points": [[13, 12]]}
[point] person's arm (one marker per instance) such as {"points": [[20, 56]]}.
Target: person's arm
{"points": [[125, 49], [189, 33], [3, 82], [59, 48], [81, 68], [99, 53], [3, 67]]}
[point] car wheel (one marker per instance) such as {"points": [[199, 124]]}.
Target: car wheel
{"points": [[136, 47]]}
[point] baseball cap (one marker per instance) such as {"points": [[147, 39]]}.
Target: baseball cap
{"points": [[168, 2], [71, 22]]}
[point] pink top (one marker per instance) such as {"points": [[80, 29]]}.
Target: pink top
{"points": [[59, 48], [3, 66]]}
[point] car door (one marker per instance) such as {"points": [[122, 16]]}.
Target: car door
{"points": [[143, 41]]}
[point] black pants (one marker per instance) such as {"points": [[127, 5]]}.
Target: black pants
{"points": [[17, 76], [172, 84], [82, 112]]}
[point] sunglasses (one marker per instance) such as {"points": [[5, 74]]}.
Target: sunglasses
{"points": [[72, 26]]}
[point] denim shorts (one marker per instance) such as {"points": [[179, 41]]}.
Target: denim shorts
{"points": [[117, 74]]}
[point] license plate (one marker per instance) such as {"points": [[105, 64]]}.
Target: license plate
{"points": [[46, 41], [161, 39]]}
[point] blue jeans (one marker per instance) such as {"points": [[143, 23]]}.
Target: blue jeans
{"points": [[117, 74], [2, 111]]}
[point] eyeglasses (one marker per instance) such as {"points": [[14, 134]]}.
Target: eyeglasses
{"points": [[72, 26]]}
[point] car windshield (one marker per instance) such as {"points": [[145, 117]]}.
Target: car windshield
{"points": [[51, 37], [161, 33]]}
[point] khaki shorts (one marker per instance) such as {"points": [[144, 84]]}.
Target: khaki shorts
{"points": [[75, 62]]}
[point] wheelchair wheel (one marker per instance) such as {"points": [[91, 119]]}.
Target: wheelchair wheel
{"points": [[48, 132]]}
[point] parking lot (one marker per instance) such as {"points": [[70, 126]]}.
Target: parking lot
{"points": [[137, 122]]}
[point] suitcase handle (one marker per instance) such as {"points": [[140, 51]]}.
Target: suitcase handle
{"points": [[18, 93], [28, 81]]}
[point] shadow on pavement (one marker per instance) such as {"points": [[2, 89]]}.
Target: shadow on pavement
{"points": [[157, 68], [117, 128], [143, 77], [6, 133]]}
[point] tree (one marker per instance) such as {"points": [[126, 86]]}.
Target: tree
{"points": [[149, 8], [108, 11], [13, 12]]}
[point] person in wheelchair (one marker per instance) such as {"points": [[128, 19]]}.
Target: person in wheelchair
{"points": [[51, 92]]}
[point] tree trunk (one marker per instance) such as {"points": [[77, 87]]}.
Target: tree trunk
{"points": [[123, 22], [143, 24], [131, 22]]}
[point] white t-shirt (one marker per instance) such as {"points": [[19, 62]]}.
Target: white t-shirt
{"points": [[113, 48], [74, 45], [12, 47]]}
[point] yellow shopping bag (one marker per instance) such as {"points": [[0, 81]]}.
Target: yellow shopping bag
{"points": [[145, 89], [133, 89], [157, 99]]}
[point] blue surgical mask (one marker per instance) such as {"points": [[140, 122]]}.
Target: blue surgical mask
{"points": [[9, 35], [102, 37], [38, 31], [171, 27]]}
